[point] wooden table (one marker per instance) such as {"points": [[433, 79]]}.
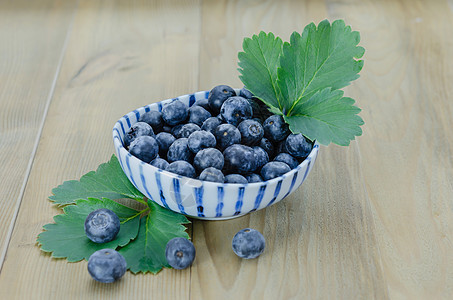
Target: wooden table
{"points": [[373, 220]]}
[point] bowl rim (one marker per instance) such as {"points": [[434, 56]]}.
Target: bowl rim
{"points": [[119, 146]]}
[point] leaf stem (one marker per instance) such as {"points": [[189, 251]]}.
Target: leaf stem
{"points": [[140, 200], [134, 216]]}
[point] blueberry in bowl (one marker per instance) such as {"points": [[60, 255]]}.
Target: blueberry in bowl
{"points": [[242, 175]]}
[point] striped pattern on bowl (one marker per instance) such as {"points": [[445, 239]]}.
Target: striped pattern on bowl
{"points": [[202, 199]]}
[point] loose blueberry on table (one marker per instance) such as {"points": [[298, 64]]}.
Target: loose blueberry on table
{"points": [[106, 265], [248, 243], [102, 225], [180, 253]]}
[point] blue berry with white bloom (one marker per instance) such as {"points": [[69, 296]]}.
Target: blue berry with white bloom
{"points": [[174, 113], [159, 163], [251, 132], [138, 129], [287, 159], [239, 159], [274, 169], [154, 119], [211, 124], [179, 150], [198, 115], [245, 93], [102, 225], [200, 140], [261, 157], [218, 95], [180, 253], [275, 128], [144, 148], [106, 265], [235, 110], [209, 157], [298, 146], [248, 243], [253, 177], [186, 130], [267, 145], [212, 174], [164, 140], [182, 168], [235, 178], [227, 135]]}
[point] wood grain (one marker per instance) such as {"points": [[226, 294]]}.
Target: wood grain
{"points": [[320, 241], [406, 151], [121, 55], [29, 58]]}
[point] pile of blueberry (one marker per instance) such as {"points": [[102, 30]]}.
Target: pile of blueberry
{"points": [[226, 138], [108, 265]]}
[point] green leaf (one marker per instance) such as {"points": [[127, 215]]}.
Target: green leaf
{"points": [[258, 67], [66, 237], [327, 117], [147, 252], [322, 57], [108, 181]]}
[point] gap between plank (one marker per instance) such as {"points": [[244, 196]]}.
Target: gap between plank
{"points": [[38, 137]]}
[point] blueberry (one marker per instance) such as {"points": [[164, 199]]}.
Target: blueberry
{"points": [[159, 163], [267, 146], [251, 132], [227, 135], [298, 146], [144, 148], [211, 124], [212, 174], [186, 130], [245, 93], [182, 168], [235, 110], [174, 113], [203, 103], [180, 253], [209, 157], [275, 128], [154, 119], [164, 140], [198, 115], [274, 169], [136, 130], [253, 177], [261, 157], [239, 159], [235, 178], [248, 243], [200, 140], [218, 95], [175, 130], [106, 265], [179, 151], [287, 159], [102, 225]]}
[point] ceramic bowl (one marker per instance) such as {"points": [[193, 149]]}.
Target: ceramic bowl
{"points": [[196, 198]]}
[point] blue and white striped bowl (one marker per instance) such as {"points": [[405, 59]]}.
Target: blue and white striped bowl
{"points": [[196, 198]]}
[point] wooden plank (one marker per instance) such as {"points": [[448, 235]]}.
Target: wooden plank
{"points": [[121, 55], [32, 36], [407, 148], [320, 241]]}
